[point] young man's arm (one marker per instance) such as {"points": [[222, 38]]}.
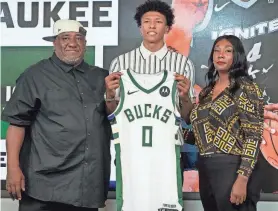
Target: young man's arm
{"points": [[186, 90]]}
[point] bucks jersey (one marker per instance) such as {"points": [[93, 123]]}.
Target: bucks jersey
{"points": [[145, 129]]}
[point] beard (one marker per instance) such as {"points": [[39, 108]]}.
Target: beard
{"points": [[72, 60]]}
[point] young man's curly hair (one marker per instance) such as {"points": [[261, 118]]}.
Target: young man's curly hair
{"points": [[155, 6]]}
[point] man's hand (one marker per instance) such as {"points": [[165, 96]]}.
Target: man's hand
{"points": [[183, 86], [15, 182], [239, 190], [112, 82]]}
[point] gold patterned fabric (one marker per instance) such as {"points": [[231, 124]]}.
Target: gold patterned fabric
{"points": [[231, 123]]}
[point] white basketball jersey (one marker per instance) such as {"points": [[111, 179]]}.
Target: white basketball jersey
{"points": [[146, 136]]}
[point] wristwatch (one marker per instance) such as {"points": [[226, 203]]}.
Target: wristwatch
{"points": [[108, 99]]}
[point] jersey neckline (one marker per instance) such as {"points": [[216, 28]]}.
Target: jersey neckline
{"points": [[165, 73]]}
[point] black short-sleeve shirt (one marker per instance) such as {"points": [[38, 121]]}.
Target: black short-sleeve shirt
{"points": [[65, 155]]}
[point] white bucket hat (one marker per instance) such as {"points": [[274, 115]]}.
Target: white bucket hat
{"points": [[61, 26]]}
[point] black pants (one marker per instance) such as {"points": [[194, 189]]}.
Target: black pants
{"points": [[28, 203], [217, 175]]}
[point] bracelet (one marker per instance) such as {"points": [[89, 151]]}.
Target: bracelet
{"points": [[110, 99]]}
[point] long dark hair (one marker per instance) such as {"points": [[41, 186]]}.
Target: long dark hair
{"points": [[238, 69]]}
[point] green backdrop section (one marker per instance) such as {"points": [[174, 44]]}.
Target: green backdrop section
{"points": [[4, 127], [14, 60]]}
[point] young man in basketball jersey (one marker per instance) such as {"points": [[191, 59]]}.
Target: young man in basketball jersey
{"points": [[154, 19], [143, 119]]}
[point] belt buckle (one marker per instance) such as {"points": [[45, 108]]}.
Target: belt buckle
{"points": [[207, 154]]}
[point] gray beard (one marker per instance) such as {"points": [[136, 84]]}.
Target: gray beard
{"points": [[72, 61]]}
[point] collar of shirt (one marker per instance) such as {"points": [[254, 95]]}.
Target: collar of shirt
{"points": [[160, 53], [82, 67]]}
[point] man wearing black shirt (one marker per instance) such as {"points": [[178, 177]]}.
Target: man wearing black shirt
{"points": [[58, 141]]}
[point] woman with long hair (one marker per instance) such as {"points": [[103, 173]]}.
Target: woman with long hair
{"points": [[228, 124]]}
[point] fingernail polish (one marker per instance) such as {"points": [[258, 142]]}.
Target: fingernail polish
{"points": [[272, 131]]}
